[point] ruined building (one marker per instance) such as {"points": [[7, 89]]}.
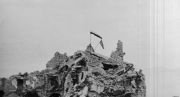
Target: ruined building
{"points": [[84, 74]]}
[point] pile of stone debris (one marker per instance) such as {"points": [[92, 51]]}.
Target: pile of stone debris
{"points": [[84, 74]]}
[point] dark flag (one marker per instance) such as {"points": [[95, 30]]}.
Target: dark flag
{"points": [[101, 43], [96, 35]]}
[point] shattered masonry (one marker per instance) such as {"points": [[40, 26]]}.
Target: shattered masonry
{"points": [[84, 74]]}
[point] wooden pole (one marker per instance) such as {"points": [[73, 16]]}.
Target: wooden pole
{"points": [[90, 42]]}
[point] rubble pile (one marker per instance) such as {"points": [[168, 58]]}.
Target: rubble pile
{"points": [[84, 74]]}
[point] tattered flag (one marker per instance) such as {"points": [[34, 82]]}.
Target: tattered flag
{"points": [[101, 43]]}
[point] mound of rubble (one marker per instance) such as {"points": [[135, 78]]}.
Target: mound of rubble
{"points": [[84, 74]]}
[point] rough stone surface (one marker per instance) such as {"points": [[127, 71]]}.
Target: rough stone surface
{"points": [[118, 54], [84, 74], [56, 60]]}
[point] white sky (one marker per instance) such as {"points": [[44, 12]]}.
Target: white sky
{"points": [[169, 49], [31, 31]]}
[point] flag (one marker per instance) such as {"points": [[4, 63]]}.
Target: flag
{"points": [[101, 43], [96, 35]]}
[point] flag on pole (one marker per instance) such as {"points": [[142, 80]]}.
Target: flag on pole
{"points": [[96, 35], [101, 43]]}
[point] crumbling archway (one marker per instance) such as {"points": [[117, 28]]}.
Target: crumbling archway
{"points": [[20, 82]]}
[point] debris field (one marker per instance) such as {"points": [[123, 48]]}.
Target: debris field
{"points": [[84, 74]]}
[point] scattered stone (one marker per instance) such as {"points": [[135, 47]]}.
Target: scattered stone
{"points": [[84, 74]]}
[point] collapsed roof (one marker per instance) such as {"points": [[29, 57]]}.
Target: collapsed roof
{"points": [[84, 74]]}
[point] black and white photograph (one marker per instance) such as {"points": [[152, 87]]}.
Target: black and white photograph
{"points": [[89, 48]]}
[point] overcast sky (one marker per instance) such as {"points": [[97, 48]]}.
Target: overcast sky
{"points": [[31, 31]]}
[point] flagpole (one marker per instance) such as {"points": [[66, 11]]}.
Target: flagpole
{"points": [[90, 38], [90, 42]]}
